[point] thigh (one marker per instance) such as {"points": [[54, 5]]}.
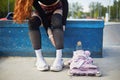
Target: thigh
{"points": [[35, 13], [58, 11]]}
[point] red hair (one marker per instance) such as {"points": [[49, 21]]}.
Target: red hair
{"points": [[22, 10]]}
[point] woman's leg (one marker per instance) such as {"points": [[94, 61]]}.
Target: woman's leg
{"points": [[35, 37], [57, 30], [49, 31]]}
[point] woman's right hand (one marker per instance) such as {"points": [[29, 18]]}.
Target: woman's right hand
{"points": [[50, 35]]}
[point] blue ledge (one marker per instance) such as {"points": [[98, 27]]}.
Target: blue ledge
{"points": [[14, 39]]}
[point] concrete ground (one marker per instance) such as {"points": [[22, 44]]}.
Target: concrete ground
{"points": [[22, 68]]}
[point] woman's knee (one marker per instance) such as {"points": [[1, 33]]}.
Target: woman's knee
{"points": [[34, 23], [56, 21]]}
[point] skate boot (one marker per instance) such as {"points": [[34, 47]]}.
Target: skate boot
{"points": [[82, 65]]}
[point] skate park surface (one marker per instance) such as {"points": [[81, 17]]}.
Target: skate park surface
{"points": [[23, 68]]}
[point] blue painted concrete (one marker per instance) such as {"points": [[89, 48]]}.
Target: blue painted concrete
{"points": [[14, 39]]}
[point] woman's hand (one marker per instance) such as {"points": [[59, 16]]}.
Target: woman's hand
{"points": [[50, 34], [63, 27]]}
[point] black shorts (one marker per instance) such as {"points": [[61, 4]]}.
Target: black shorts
{"points": [[49, 11]]}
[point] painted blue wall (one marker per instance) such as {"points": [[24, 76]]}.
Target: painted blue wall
{"points": [[14, 39]]}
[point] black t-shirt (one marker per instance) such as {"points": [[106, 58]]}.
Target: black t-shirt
{"points": [[49, 2]]}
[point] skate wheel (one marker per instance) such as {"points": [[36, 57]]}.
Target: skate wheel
{"points": [[90, 74], [98, 74], [81, 74], [70, 74]]}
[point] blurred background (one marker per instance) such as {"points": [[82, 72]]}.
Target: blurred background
{"points": [[109, 10]]}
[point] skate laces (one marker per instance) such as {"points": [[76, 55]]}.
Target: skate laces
{"points": [[81, 60]]}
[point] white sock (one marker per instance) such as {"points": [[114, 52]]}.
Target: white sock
{"points": [[58, 59], [59, 54], [40, 59]]}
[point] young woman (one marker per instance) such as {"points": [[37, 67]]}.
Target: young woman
{"points": [[52, 14]]}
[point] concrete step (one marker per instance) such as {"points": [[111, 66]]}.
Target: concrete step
{"points": [[14, 40]]}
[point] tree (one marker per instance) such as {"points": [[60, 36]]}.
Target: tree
{"points": [[97, 10], [92, 9], [115, 10], [4, 7], [75, 10]]}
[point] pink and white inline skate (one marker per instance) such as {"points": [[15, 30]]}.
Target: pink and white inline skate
{"points": [[81, 64]]}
